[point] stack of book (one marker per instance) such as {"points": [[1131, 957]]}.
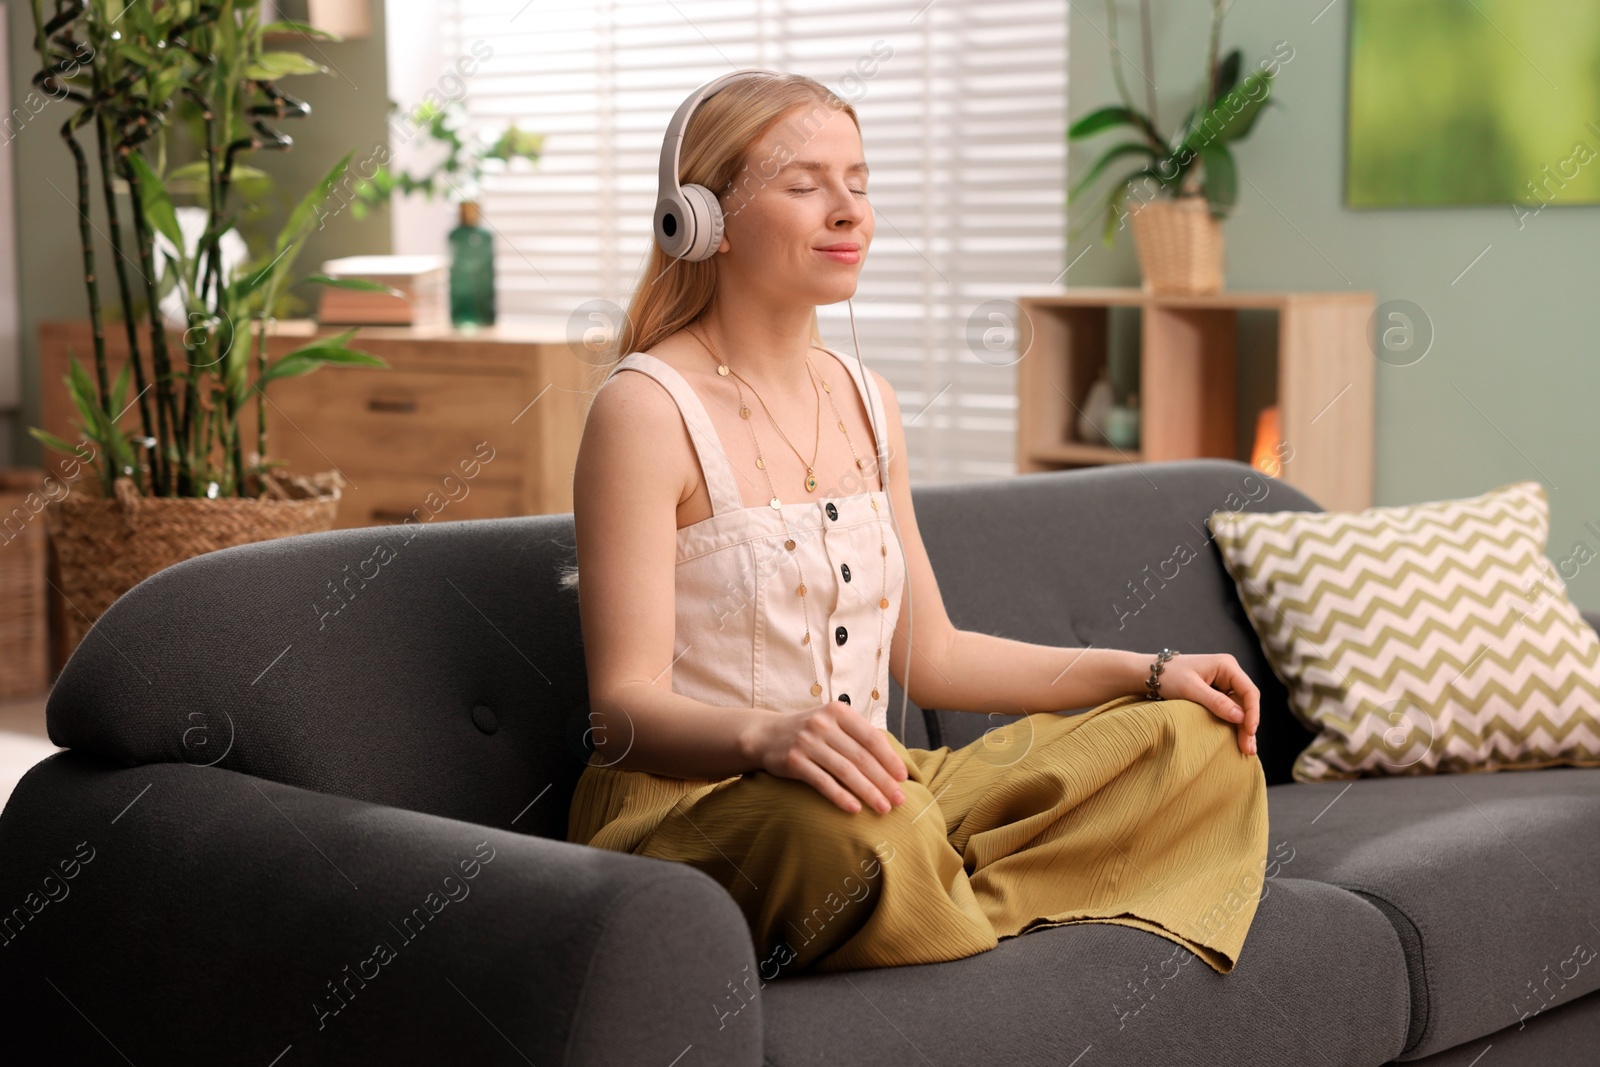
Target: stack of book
{"points": [[421, 295]]}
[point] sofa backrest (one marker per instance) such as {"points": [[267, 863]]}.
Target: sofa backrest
{"points": [[1116, 556], [439, 667]]}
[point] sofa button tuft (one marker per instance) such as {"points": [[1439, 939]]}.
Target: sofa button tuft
{"points": [[484, 719]]}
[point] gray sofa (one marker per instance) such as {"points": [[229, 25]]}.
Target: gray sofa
{"points": [[314, 806]]}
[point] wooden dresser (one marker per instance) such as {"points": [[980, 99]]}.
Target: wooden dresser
{"points": [[459, 426]]}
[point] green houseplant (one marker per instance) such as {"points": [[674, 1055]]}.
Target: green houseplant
{"points": [[1184, 182], [457, 175], [182, 482]]}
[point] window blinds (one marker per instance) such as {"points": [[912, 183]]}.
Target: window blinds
{"points": [[963, 112]]}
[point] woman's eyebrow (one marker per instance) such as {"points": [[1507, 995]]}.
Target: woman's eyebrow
{"points": [[813, 165]]}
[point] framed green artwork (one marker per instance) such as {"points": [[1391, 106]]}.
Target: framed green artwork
{"points": [[1473, 102]]}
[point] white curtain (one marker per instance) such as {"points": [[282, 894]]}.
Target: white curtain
{"points": [[963, 112]]}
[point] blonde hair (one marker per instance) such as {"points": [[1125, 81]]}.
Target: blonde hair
{"points": [[673, 293]]}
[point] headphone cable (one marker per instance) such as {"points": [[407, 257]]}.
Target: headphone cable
{"points": [[877, 436]]}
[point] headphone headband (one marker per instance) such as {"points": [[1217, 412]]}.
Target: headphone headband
{"points": [[688, 218]]}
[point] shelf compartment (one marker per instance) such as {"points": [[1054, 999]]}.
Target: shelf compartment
{"points": [[1188, 362], [1314, 364]]}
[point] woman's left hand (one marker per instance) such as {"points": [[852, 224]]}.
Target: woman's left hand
{"points": [[1208, 680]]}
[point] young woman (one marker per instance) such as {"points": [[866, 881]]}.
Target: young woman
{"points": [[742, 611]]}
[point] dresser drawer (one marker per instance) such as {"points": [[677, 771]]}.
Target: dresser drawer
{"points": [[417, 423], [383, 498]]}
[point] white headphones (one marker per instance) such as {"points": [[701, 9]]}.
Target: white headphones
{"points": [[688, 225], [688, 218]]}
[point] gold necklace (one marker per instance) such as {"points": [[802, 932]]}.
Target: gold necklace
{"points": [[744, 413], [789, 542]]}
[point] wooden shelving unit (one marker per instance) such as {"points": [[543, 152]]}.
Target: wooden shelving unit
{"points": [[1188, 382]]}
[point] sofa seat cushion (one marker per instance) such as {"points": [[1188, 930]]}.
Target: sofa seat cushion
{"points": [[1562, 1037], [1489, 879], [1316, 957]]}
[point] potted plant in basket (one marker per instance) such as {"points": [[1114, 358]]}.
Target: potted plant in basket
{"points": [[1182, 184], [185, 481]]}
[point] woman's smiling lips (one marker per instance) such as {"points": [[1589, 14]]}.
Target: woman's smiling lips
{"points": [[845, 252]]}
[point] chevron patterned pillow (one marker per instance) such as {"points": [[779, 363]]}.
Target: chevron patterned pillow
{"points": [[1421, 639]]}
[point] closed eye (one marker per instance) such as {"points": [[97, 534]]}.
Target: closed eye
{"points": [[812, 189]]}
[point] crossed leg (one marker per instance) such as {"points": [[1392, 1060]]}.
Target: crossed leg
{"points": [[1138, 812], [1141, 813], [826, 889]]}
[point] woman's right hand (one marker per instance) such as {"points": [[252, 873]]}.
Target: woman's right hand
{"points": [[832, 747]]}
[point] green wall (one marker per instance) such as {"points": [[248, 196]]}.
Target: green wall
{"points": [[348, 107], [1508, 390]]}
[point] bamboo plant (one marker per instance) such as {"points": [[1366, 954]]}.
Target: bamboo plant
{"points": [[130, 69], [1195, 159]]}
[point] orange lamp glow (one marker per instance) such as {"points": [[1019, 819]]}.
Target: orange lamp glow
{"points": [[1264, 456]]}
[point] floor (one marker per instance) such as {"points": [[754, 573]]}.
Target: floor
{"points": [[23, 741]]}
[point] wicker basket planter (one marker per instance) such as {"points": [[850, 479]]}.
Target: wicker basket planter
{"points": [[1179, 245], [24, 610], [104, 547]]}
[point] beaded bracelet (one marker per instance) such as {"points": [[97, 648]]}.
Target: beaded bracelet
{"points": [[1152, 684]]}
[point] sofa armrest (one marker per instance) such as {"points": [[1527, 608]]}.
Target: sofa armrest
{"points": [[1592, 618], [183, 913]]}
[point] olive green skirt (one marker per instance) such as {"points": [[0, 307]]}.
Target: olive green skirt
{"points": [[1137, 812]]}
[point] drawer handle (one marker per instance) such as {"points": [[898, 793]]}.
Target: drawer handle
{"points": [[401, 406], [390, 516]]}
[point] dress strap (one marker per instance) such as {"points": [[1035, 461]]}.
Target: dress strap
{"points": [[721, 482], [879, 422]]}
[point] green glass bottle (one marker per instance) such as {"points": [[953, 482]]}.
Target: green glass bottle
{"points": [[471, 271]]}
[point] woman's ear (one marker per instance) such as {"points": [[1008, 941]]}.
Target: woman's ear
{"points": [[724, 246]]}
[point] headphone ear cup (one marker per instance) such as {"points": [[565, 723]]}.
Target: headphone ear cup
{"points": [[708, 223]]}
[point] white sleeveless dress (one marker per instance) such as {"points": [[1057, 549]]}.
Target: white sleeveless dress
{"points": [[739, 622]]}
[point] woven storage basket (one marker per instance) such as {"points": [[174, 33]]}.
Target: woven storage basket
{"points": [[105, 547], [1179, 245], [24, 609]]}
